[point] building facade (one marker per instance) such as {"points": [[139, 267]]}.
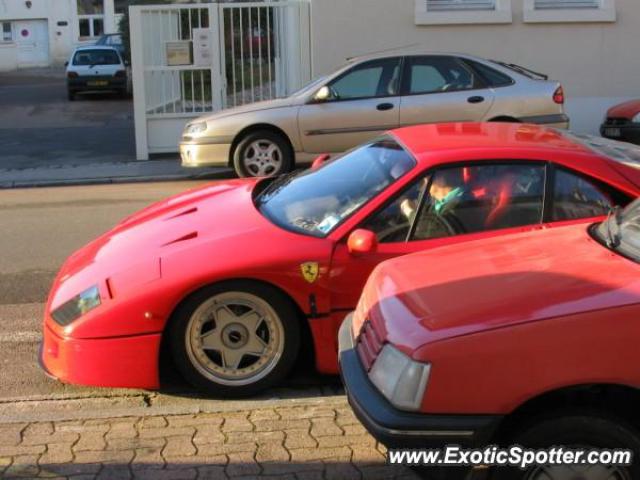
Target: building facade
{"points": [[588, 45], [40, 33]]}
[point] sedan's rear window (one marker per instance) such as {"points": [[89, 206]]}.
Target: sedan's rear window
{"points": [[492, 77], [96, 57]]}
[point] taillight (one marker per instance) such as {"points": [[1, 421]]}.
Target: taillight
{"points": [[558, 96], [121, 74], [72, 75]]}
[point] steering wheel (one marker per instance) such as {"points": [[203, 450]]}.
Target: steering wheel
{"points": [[390, 231], [449, 224]]}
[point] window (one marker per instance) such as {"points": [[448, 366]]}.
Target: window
{"points": [[437, 74], [478, 198], [541, 11], [96, 57], [315, 202], [576, 197], [393, 222], [90, 18], [440, 12], [377, 78], [7, 32], [491, 77], [121, 6]]}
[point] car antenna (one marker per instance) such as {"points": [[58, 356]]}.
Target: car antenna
{"points": [[383, 51]]}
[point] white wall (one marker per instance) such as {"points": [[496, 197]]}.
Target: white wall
{"points": [[598, 63], [62, 38]]}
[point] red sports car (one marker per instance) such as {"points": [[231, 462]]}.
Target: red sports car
{"points": [[236, 277]]}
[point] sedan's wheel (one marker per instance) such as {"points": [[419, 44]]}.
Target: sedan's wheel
{"points": [[263, 154], [230, 340], [583, 432]]}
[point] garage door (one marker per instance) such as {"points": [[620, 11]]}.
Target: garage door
{"points": [[32, 41]]}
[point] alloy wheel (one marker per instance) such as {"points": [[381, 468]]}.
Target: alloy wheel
{"points": [[234, 338], [263, 158]]}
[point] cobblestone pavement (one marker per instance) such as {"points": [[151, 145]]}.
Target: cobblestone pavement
{"points": [[285, 442]]}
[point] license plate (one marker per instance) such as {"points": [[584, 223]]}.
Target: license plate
{"points": [[98, 83], [612, 132]]}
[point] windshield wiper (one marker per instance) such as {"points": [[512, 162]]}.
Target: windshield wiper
{"points": [[613, 240]]}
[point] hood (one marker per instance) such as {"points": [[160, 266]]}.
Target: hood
{"points": [[132, 251], [250, 107], [625, 110], [493, 283]]}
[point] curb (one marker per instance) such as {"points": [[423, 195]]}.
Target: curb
{"points": [[115, 180], [146, 410]]}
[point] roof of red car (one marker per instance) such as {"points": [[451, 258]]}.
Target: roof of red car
{"points": [[454, 136]]}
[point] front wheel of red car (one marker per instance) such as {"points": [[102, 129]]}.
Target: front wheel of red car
{"points": [[578, 431], [235, 339]]}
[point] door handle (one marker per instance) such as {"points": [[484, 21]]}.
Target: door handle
{"points": [[385, 106], [476, 99]]}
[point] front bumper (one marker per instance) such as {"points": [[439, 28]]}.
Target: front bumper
{"points": [[209, 154], [398, 429], [629, 132], [123, 362]]}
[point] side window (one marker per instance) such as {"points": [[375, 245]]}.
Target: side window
{"points": [[576, 197], [437, 74], [393, 222], [492, 77], [478, 198], [378, 78]]}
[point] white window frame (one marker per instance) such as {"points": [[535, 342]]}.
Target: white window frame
{"points": [[605, 12], [90, 17], [13, 38], [463, 16]]}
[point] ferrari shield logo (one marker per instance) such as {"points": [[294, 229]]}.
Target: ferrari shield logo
{"points": [[310, 271]]}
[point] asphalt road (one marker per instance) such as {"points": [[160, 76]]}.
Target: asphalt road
{"points": [[40, 127], [39, 229]]}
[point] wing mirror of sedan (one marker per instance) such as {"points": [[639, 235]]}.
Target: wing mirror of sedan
{"points": [[362, 241], [323, 95], [319, 161]]}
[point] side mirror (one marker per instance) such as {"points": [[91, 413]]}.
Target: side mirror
{"points": [[66, 64], [362, 241], [323, 95], [319, 161], [127, 63]]}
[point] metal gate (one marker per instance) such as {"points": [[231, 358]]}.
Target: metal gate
{"points": [[189, 60]]}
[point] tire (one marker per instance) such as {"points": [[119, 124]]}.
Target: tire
{"points": [[588, 431], [235, 317], [275, 158]]}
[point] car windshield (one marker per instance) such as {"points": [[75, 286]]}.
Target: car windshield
{"points": [[315, 202], [621, 231], [96, 57]]}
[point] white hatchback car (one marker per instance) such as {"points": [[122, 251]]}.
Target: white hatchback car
{"points": [[96, 68]]}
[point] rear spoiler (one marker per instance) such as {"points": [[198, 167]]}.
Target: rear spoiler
{"points": [[523, 70]]}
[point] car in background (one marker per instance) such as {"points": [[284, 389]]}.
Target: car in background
{"points": [[527, 339], [366, 97], [238, 277], [623, 122], [96, 69], [112, 40]]}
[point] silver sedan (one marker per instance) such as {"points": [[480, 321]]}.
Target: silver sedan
{"points": [[364, 98]]}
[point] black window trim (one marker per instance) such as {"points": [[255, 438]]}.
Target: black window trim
{"points": [[400, 60], [479, 82]]}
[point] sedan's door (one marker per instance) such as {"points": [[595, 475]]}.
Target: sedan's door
{"points": [[437, 88], [364, 102]]}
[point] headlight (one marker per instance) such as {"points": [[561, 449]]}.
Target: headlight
{"points": [[636, 119], [195, 128], [77, 306], [400, 379]]}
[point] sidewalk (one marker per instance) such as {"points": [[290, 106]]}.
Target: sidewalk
{"points": [[284, 439], [100, 173]]}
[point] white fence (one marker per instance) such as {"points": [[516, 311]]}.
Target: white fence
{"points": [[188, 60]]}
